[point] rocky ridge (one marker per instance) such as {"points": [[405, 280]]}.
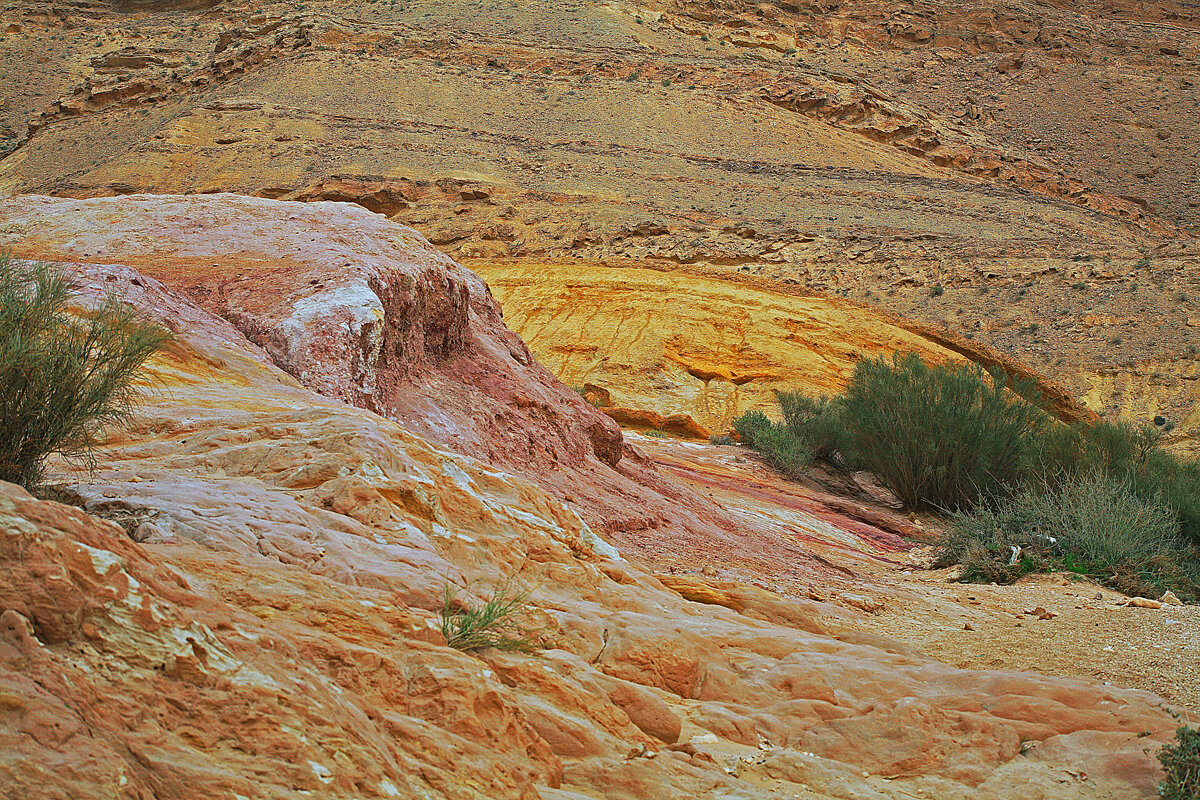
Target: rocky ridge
{"points": [[262, 621]]}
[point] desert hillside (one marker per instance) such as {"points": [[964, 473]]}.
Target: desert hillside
{"points": [[464, 298], [1024, 176]]}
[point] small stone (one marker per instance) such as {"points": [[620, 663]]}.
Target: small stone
{"points": [[1041, 613], [861, 602], [1171, 600], [1142, 602], [968, 627]]}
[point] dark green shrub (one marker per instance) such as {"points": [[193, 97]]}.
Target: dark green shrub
{"points": [[779, 445], [783, 449], [817, 422], [1181, 762], [748, 425], [63, 378], [941, 436], [1177, 482], [1096, 526], [957, 438]]}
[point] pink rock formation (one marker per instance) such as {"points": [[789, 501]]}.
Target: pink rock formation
{"points": [[364, 310], [264, 620]]}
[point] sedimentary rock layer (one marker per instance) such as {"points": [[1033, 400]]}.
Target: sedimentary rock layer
{"points": [[710, 345], [264, 619]]}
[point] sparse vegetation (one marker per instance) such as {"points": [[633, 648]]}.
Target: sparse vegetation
{"points": [[1103, 500], [1181, 764], [499, 622], [817, 423], [938, 437], [1095, 526], [64, 378]]}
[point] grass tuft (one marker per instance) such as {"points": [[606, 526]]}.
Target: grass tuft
{"points": [[498, 622]]}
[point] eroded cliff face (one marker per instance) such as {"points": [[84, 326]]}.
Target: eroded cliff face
{"points": [[1015, 173], [365, 311], [353, 306], [652, 346], [263, 620]]}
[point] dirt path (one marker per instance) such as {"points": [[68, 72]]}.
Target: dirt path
{"points": [[1153, 649], [1086, 632]]}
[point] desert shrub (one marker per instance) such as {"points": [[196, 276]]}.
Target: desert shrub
{"points": [[778, 442], [748, 425], [1130, 453], [817, 422], [957, 438], [1181, 764], [783, 449], [497, 622], [1177, 482], [63, 378], [1095, 526], [942, 436]]}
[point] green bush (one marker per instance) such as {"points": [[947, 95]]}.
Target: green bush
{"points": [[942, 436], [959, 439], [1130, 453], [784, 450], [815, 422], [1096, 526], [779, 445], [63, 378], [1181, 762], [748, 426]]}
